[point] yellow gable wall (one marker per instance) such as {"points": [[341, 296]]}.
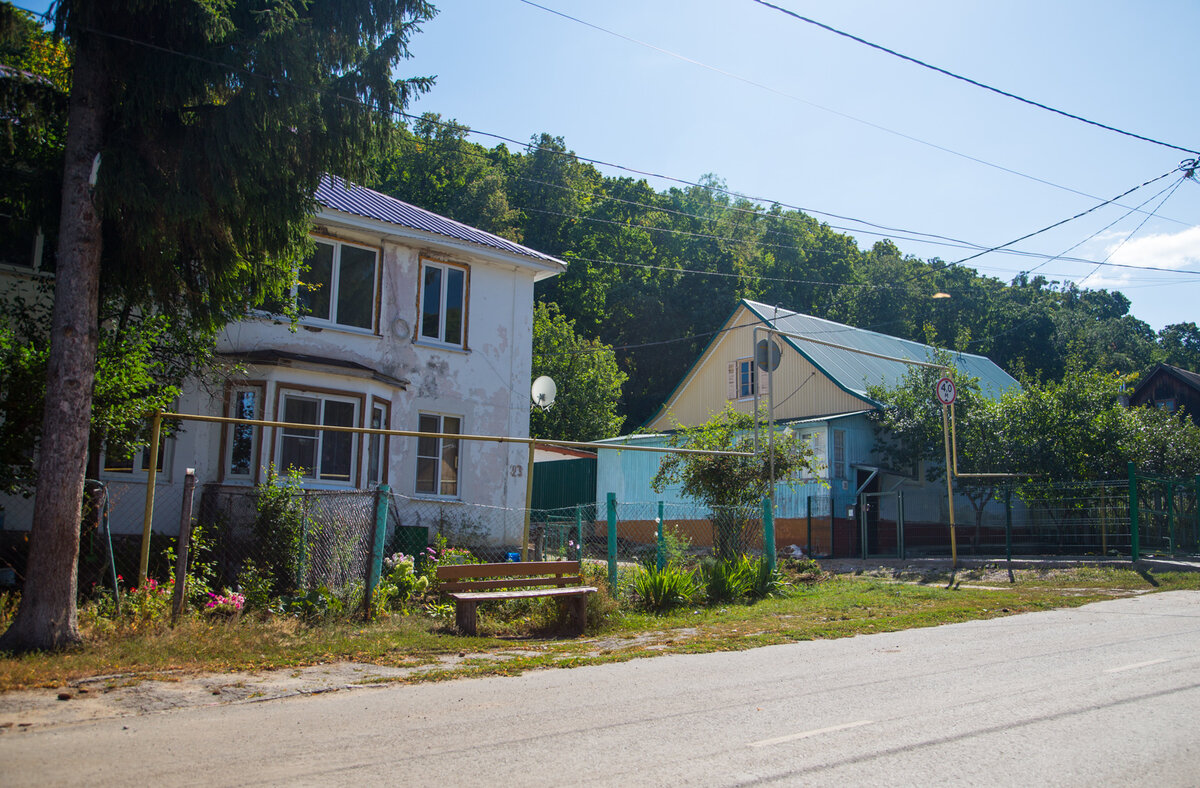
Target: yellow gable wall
{"points": [[801, 390]]}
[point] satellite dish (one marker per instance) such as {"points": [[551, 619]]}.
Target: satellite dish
{"points": [[543, 392]]}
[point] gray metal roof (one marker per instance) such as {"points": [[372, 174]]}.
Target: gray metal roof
{"points": [[340, 195], [855, 371]]}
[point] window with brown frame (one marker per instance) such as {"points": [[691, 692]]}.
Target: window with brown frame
{"points": [[443, 312]]}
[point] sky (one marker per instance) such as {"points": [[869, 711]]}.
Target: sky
{"points": [[786, 112], [783, 111]]}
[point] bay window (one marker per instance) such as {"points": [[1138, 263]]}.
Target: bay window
{"points": [[321, 455]]}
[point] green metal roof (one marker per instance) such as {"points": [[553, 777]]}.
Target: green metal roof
{"points": [[853, 371]]}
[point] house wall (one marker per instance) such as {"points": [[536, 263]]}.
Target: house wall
{"points": [[801, 390], [485, 384]]}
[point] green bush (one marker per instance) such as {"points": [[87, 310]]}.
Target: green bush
{"points": [[727, 579], [255, 585], [767, 582], [279, 530], [662, 589]]}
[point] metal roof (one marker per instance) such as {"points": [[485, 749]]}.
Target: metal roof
{"points": [[340, 195], [855, 372]]}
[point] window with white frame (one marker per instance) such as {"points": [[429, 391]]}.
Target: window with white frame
{"points": [[377, 446], [443, 303], [321, 455], [839, 454], [814, 440], [241, 454], [437, 458], [338, 286]]}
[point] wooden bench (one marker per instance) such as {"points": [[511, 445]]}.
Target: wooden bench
{"points": [[470, 584]]}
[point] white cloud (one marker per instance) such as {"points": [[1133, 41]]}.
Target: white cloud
{"points": [[1163, 250], [1180, 250]]}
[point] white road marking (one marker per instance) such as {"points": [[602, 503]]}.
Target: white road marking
{"points": [[807, 734], [1136, 665]]}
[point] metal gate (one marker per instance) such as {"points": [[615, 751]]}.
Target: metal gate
{"points": [[881, 536]]}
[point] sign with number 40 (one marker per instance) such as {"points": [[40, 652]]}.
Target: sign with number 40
{"points": [[945, 392]]}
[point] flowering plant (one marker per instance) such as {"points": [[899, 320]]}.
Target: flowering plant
{"points": [[228, 604]]}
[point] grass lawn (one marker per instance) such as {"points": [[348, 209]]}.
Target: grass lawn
{"points": [[516, 639]]}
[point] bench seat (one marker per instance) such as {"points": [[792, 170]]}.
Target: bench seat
{"points": [[470, 584]]}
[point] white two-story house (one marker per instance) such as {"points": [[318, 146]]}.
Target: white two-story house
{"points": [[410, 321]]}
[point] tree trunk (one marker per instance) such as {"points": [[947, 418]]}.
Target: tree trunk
{"points": [[46, 618]]}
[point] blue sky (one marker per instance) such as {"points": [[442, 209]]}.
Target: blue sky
{"points": [[784, 111], [831, 125]]}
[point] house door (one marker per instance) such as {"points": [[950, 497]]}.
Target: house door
{"points": [[868, 512]]}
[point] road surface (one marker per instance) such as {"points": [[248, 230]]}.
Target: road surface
{"points": [[1107, 694]]}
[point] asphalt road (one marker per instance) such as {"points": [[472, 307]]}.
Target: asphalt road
{"points": [[1107, 694]]}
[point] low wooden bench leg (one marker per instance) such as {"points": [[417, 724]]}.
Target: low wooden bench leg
{"points": [[464, 616], [578, 608]]}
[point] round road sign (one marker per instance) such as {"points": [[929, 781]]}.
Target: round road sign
{"points": [[944, 391]]}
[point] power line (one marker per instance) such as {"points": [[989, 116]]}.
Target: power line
{"points": [[1141, 224], [970, 81], [823, 108], [1068, 219], [531, 147], [1111, 224]]}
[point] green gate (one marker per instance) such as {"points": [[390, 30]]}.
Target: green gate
{"points": [[1164, 518]]}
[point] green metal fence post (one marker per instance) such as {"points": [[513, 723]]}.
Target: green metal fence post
{"points": [[375, 568], [612, 542], [579, 530], [769, 532], [1133, 514], [900, 524], [662, 551], [1196, 541]]}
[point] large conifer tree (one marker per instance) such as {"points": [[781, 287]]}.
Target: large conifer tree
{"points": [[196, 135]]}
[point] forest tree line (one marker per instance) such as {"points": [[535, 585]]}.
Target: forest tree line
{"points": [[632, 252]]}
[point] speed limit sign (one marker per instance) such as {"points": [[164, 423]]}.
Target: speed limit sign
{"points": [[944, 391]]}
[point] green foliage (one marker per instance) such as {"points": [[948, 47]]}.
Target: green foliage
{"points": [[1078, 429], [279, 530], [662, 589], [732, 485], [255, 585], [676, 545], [310, 607], [767, 582], [726, 480], [588, 379], [728, 579], [401, 586]]}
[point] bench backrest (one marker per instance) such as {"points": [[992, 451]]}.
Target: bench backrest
{"points": [[521, 574]]}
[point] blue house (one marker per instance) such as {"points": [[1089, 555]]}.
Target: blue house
{"points": [[820, 392]]}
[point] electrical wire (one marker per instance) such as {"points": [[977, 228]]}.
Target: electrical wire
{"points": [[1141, 224], [823, 108], [970, 81], [401, 114]]}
